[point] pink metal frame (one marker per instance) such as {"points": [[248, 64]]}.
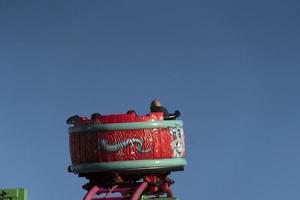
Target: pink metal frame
{"points": [[136, 192]]}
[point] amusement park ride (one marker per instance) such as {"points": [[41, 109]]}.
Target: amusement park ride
{"points": [[126, 156]]}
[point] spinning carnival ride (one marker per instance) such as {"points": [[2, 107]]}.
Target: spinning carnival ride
{"points": [[126, 155]]}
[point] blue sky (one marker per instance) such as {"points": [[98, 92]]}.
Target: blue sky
{"points": [[231, 68]]}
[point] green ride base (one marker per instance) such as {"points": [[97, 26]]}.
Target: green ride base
{"points": [[128, 165], [13, 194]]}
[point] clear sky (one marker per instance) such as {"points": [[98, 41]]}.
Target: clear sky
{"points": [[231, 67]]}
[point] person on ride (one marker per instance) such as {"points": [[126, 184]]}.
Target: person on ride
{"points": [[156, 106]]}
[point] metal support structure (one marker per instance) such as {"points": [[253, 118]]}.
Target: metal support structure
{"points": [[13, 194]]}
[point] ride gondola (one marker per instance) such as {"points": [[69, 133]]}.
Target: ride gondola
{"points": [[127, 154]]}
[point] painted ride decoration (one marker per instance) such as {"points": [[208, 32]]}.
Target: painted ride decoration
{"points": [[126, 154]]}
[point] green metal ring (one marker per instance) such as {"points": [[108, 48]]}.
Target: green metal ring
{"points": [[125, 126], [128, 165]]}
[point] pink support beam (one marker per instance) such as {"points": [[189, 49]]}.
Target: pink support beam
{"points": [[139, 191], [135, 191]]}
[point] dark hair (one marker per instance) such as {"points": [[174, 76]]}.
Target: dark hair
{"points": [[131, 112]]}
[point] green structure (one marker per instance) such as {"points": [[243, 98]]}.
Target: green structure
{"points": [[13, 194]]}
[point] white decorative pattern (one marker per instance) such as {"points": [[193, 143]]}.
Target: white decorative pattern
{"points": [[177, 144]]}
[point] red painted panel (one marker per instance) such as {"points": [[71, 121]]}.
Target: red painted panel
{"points": [[137, 144], [76, 147], [82, 147], [71, 146], [156, 143], [166, 140], [88, 147]]}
